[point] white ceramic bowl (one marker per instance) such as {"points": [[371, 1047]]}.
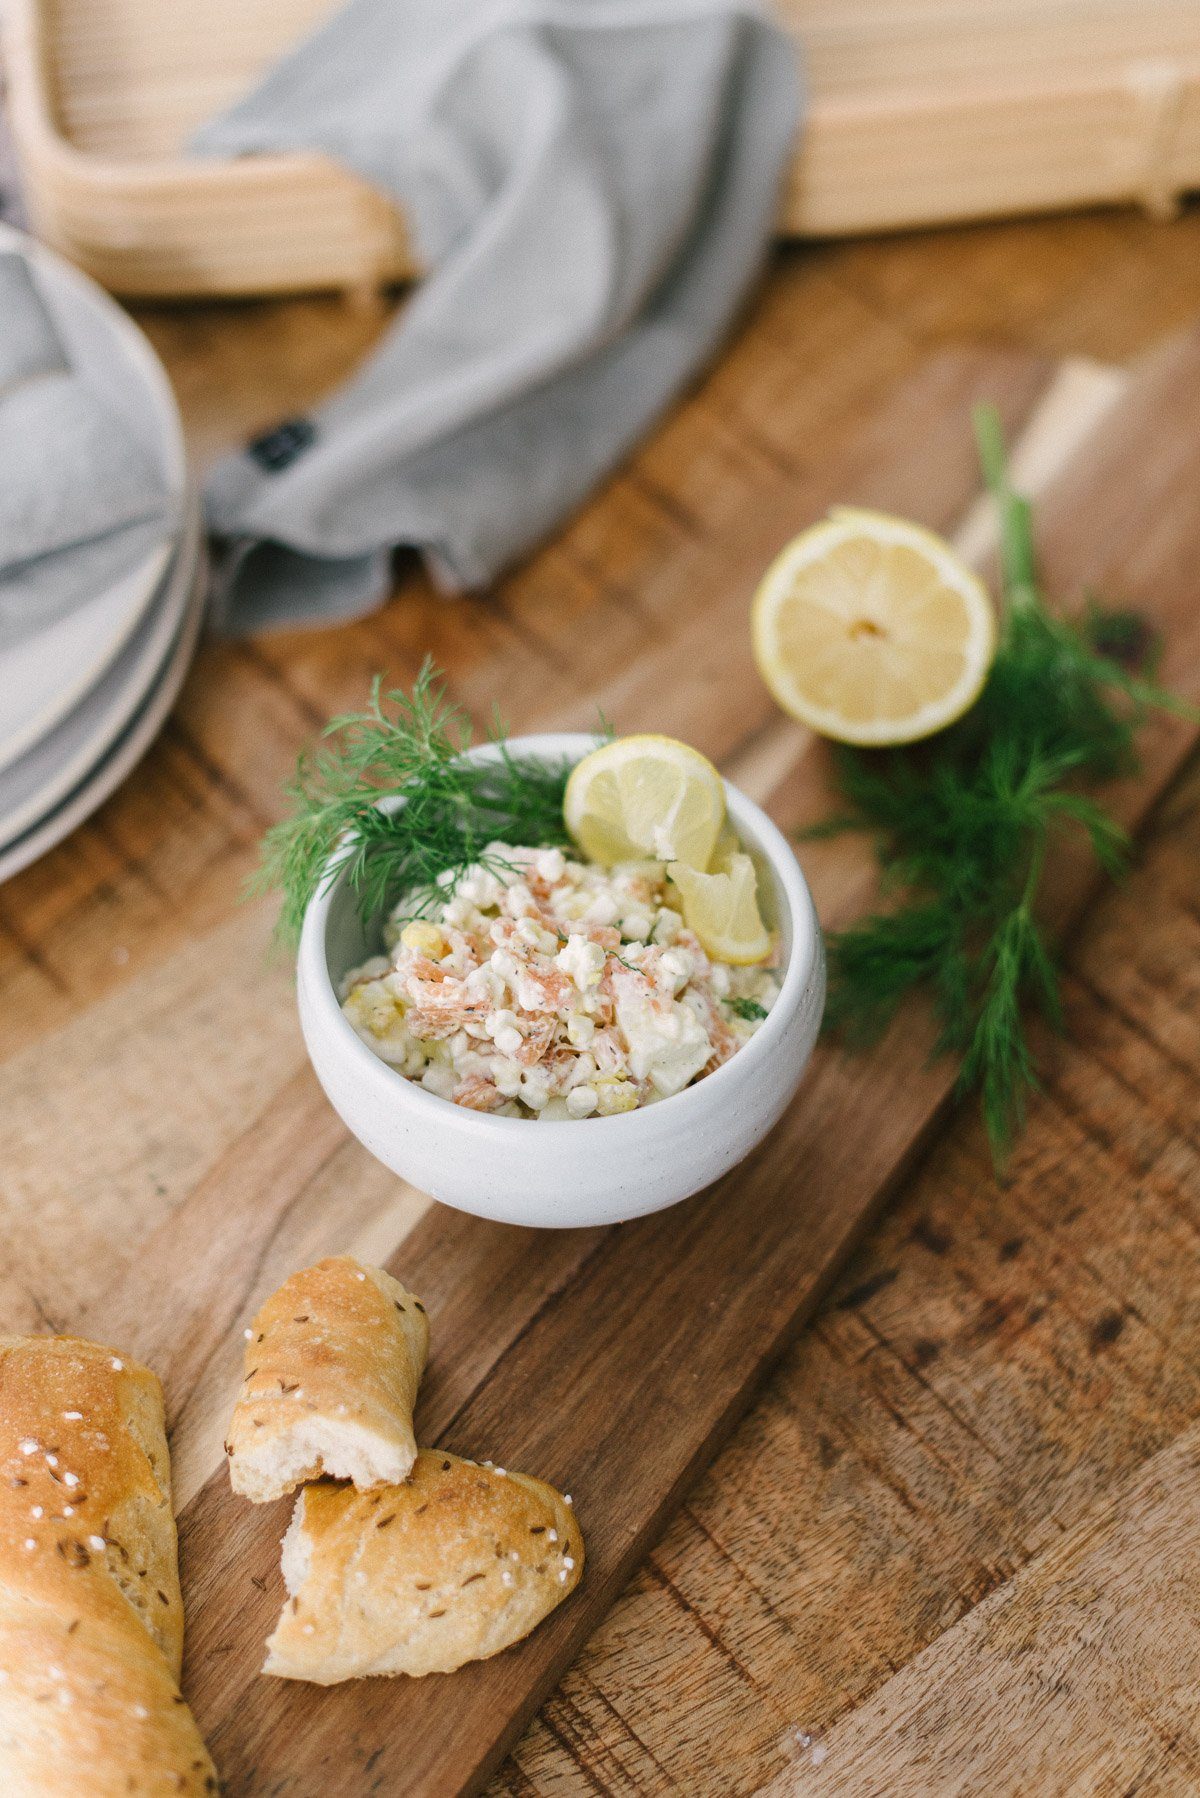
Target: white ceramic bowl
{"points": [[600, 1170]]}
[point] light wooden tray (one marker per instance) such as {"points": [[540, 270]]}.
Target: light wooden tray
{"points": [[920, 111]]}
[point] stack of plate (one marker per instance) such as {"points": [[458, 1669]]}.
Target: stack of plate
{"points": [[82, 700]]}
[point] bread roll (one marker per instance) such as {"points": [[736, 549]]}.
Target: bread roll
{"points": [[333, 1362], [453, 1566], [91, 1620]]}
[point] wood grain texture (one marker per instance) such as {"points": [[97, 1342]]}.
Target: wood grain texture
{"points": [[1078, 1675], [962, 1400]]}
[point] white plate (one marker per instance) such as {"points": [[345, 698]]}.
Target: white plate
{"points": [[31, 787], [42, 677], [125, 754]]}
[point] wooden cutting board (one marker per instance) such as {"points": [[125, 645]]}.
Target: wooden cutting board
{"points": [[613, 1362]]}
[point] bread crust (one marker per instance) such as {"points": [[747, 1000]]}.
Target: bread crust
{"points": [[91, 1618], [333, 1361], [458, 1563]]}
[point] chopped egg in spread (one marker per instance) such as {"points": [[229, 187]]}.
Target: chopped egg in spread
{"points": [[542, 987]]}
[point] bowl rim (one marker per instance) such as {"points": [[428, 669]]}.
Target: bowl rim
{"points": [[796, 977]]}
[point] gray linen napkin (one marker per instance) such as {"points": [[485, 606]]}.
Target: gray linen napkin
{"points": [[593, 184], [81, 500]]}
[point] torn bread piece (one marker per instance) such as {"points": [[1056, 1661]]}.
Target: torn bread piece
{"points": [[453, 1566], [91, 1619], [333, 1362]]}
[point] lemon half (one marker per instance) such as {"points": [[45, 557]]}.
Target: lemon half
{"points": [[871, 630]]}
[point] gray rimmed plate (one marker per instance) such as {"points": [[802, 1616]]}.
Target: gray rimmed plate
{"points": [[33, 785], [122, 755], [43, 677]]}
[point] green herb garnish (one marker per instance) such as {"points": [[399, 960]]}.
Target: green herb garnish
{"points": [[405, 744], [965, 821], [750, 1009]]}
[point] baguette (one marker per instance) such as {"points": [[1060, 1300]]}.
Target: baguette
{"points": [[333, 1362], [453, 1566], [91, 1618]]}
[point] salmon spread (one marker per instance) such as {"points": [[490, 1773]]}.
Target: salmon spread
{"points": [[543, 987]]}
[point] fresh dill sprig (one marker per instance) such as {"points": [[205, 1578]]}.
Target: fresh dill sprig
{"points": [[407, 747], [964, 824], [750, 1009]]}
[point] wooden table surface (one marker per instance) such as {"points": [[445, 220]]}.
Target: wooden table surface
{"points": [[985, 1437]]}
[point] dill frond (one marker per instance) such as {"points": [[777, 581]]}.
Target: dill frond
{"points": [[750, 1009], [406, 748], [964, 822]]}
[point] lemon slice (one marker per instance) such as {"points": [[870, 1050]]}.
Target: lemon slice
{"points": [[644, 797], [871, 630], [728, 845], [723, 911]]}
